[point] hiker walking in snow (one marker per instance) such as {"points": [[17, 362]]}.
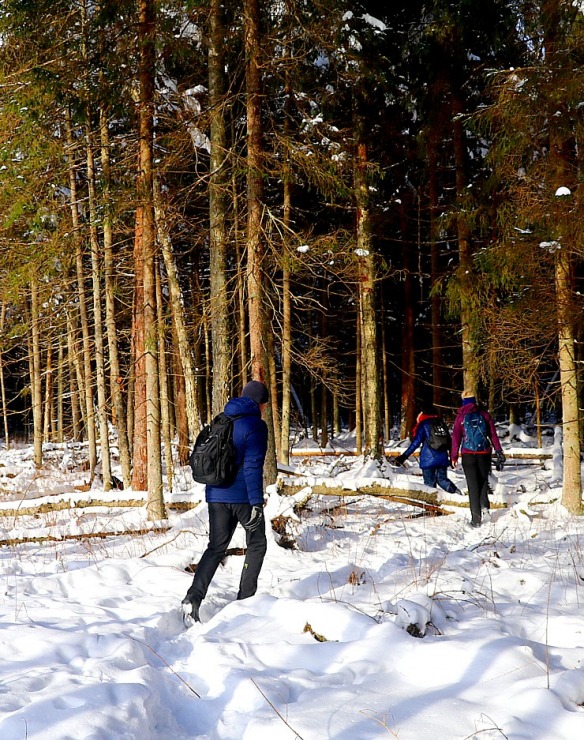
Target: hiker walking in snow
{"points": [[432, 433], [240, 501], [474, 434]]}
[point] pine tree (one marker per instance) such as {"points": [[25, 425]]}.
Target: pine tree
{"points": [[537, 125]]}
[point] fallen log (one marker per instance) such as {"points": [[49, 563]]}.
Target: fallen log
{"points": [[394, 452], [80, 537], [424, 499], [46, 507]]}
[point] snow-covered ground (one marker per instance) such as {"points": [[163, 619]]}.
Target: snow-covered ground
{"points": [[383, 622]]}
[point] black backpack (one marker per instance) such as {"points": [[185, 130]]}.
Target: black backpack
{"points": [[438, 435], [212, 459]]}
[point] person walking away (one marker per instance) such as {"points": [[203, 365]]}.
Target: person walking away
{"points": [[240, 501], [432, 434], [474, 434]]}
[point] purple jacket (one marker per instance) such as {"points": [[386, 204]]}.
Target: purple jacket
{"points": [[458, 432], [250, 439]]}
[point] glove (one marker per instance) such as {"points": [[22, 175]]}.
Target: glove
{"points": [[500, 460], [399, 460], [256, 518]]}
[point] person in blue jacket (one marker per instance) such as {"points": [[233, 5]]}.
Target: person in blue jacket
{"points": [[240, 502], [433, 462]]}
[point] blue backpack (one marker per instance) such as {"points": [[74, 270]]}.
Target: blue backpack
{"points": [[476, 437]]}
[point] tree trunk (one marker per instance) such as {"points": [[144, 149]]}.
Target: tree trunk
{"points": [[164, 400], [561, 152], [2, 386], [286, 353], [180, 405], [102, 411], [218, 182], [465, 267], [408, 390], [130, 401], [538, 413], [311, 380], [36, 380], [314, 410], [147, 246], [369, 349], [86, 385], [60, 422], [286, 284], [178, 318], [240, 282], [572, 482], [258, 327], [49, 394], [197, 332], [274, 393], [208, 360], [358, 380], [435, 306], [323, 329], [385, 378], [138, 383], [336, 415], [116, 379], [75, 379], [324, 435]]}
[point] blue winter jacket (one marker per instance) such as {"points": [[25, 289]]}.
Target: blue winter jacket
{"points": [[429, 458], [250, 439]]}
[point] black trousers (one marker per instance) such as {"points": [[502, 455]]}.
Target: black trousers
{"points": [[476, 471], [223, 519]]}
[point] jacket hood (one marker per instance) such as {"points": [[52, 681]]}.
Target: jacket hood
{"points": [[242, 406], [421, 418]]}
